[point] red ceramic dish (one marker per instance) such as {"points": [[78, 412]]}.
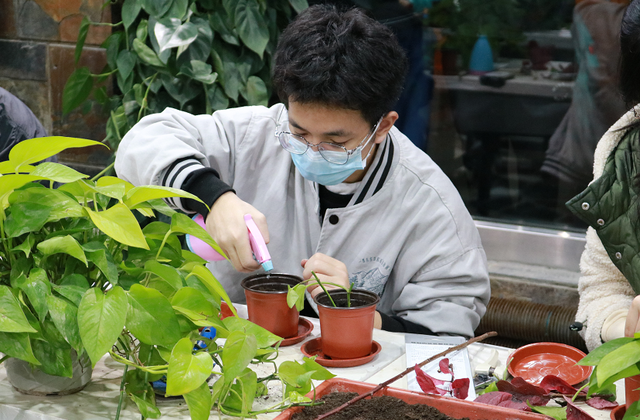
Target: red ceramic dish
{"points": [[450, 406], [304, 329], [535, 361], [314, 348]]}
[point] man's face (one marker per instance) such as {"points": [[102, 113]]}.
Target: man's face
{"points": [[321, 124]]}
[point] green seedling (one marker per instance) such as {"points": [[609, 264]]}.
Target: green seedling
{"points": [[295, 295]]}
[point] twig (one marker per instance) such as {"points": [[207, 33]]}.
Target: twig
{"points": [[409, 369]]}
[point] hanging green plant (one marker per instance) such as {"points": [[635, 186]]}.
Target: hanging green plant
{"points": [[78, 275], [195, 55]]}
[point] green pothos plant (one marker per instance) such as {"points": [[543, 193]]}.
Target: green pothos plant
{"points": [[614, 360], [195, 55], [78, 273]]}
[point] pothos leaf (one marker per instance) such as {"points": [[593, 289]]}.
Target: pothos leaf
{"points": [[82, 36], [187, 371]]}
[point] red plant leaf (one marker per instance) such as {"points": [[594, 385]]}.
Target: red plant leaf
{"points": [[601, 403], [575, 413], [493, 397], [551, 382], [444, 365], [428, 383], [461, 388], [515, 404], [524, 387], [502, 399], [524, 391]]}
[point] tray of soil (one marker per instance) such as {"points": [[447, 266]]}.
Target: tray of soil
{"points": [[381, 406]]}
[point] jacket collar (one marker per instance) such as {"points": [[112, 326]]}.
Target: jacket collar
{"points": [[380, 170], [611, 138]]}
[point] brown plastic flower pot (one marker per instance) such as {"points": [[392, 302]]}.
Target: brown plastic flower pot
{"points": [[631, 391], [267, 303], [450, 406], [347, 332], [631, 395]]}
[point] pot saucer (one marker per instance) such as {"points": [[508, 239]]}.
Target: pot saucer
{"points": [[314, 348], [304, 329], [535, 361]]}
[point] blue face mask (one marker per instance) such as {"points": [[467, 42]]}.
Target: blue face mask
{"points": [[314, 167]]}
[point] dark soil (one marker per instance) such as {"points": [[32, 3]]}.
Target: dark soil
{"points": [[270, 287], [340, 299], [376, 408]]}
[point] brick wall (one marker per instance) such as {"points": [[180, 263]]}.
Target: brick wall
{"points": [[37, 43]]}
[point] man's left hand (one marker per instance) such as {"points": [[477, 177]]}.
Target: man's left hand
{"points": [[328, 270]]}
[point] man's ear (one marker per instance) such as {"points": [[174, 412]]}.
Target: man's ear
{"points": [[385, 125]]}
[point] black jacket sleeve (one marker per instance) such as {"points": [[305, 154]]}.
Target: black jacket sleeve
{"points": [[399, 324], [205, 184]]}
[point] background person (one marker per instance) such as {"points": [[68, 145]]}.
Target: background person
{"points": [[17, 123], [610, 282], [596, 102]]}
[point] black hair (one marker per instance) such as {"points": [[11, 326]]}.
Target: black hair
{"points": [[339, 58], [630, 54]]}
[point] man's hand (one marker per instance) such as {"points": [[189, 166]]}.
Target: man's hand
{"points": [[328, 270], [633, 318], [225, 224]]}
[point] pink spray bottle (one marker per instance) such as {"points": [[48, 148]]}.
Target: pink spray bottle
{"points": [[258, 246]]}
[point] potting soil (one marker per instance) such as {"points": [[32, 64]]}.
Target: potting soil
{"points": [[376, 408]]}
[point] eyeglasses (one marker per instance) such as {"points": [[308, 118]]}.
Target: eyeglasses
{"points": [[331, 152]]}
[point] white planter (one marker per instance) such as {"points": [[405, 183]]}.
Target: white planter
{"points": [[33, 381]]}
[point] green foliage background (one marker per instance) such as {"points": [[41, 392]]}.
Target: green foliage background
{"points": [[500, 20], [194, 55]]}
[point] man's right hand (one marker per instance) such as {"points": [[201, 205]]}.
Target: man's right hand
{"points": [[225, 223]]}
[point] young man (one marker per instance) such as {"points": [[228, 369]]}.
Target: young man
{"points": [[332, 185]]}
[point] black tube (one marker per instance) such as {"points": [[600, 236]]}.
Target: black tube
{"points": [[530, 322]]}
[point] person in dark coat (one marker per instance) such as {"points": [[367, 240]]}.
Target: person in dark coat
{"points": [[17, 123]]}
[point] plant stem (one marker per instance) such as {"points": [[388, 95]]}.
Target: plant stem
{"points": [[207, 105], [124, 375], [111, 25], [102, 172], [143, 105], [115, 124], [160, 369], [104, 74], [408, 370], [581, 388], [325, 290], [3, 359], [146, 375], [164, 241], [268, 378]]}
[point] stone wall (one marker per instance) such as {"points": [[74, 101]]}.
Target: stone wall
{"points": [[37, 44]]}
